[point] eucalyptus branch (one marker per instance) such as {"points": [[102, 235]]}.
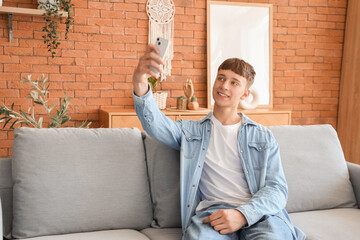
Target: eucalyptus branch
{"points": [[39, 96]]}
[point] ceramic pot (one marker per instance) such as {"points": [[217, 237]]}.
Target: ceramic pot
{"points": [[43, 2]]}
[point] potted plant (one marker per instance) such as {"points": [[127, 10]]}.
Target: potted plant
{"points": [[53, 17], [193, 104], [39, 96], [160, 97]]}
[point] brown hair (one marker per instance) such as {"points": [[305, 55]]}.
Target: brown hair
{"points": [[240, 67]]}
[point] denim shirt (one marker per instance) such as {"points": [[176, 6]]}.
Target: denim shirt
{"points": [[259, 153]]}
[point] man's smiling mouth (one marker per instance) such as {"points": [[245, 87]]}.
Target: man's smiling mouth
{"points": [[223, 95]]}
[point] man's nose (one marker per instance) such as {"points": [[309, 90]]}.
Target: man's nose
{"points": [[225, 84]]}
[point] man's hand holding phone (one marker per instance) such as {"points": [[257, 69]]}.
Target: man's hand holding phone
{"points": [[149, 64]]}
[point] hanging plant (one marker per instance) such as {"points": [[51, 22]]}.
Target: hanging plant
{"points": [[53, 16]]}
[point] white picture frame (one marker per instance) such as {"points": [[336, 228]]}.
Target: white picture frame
{"points": [[242, 30]]}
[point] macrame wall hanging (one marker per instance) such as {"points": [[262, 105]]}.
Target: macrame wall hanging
{"points": [[161, 24]]}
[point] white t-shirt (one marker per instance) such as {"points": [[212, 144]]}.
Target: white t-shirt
{"points": [[223, 179]]}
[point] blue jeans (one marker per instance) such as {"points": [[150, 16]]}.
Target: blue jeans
{"points": [[268, 227]]}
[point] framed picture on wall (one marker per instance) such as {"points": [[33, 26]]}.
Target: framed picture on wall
{"points": [[242, 30]]}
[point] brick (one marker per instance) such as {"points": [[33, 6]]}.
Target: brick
{"points": [[94, 13], [17, 68], [100, 54], [18, 51], [74, 86], [72, 69], [102, 85], [129, 7], [113, 62], [317, 3], [304, 66], [95, 70], [122, 101], [298, 3], [86, 29], [87, 62], [112, 46], [87, 93], [88, 77]]}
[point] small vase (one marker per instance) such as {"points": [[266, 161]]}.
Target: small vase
{"points": [[0, 3]]}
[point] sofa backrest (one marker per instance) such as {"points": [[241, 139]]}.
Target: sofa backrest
{"points": [[315, 168], [6, 186], [75, 180], [312, 159]]}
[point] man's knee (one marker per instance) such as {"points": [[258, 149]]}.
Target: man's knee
{"points": [[270, 228]]}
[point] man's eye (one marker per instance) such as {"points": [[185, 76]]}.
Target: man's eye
{"points": [[235, 83], [220, 79]]}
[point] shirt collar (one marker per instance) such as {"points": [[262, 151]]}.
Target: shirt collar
{"points": [[244, 120]]}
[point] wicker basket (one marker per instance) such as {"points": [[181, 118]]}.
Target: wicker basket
{"points": [[160, 98]]}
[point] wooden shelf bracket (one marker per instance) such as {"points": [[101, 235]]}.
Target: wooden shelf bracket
{"points": [[10, 27]]}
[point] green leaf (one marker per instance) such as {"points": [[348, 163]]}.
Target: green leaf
{"points": [[12, 125], [40, 121], [12, 106], [25, 115], [3, 119], [7, 122]]}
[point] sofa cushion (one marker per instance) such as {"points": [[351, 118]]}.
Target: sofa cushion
{"points": [[100, 235], [164, 174], [163, 233], [333, 224], [6, 185], [75, 180], [314, 167]]}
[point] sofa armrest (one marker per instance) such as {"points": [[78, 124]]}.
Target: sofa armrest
{"points": [[354, 171]]}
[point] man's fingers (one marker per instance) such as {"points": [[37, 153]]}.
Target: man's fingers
{"points": [[220, 227], [225, 231], [206, 220], [151, 48], [156, 58], [213, 216], [217, 222]]}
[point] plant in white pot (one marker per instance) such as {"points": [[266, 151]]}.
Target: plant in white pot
{"points": [[160, 96], [53, 17]]}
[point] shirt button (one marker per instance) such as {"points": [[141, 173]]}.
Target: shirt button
{"points": [[199, 166], [208, 130], [259, 148], [241, 150], [189, 139], [193, 185], [188, 205], [203, 148]]}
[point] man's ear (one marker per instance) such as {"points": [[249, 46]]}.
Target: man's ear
{"points": [[246, 94]]}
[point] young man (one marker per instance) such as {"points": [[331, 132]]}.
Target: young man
{"points": [[232, 182]]}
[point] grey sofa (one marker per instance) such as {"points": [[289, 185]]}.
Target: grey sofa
{"points": [[89, 184]]}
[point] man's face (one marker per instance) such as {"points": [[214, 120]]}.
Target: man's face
{"points": [[229, 88]]}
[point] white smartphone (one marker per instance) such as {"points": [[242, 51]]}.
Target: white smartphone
{"points": [[163, 45]]}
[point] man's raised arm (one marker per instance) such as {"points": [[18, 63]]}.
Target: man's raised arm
{"points": [[143, 70]]}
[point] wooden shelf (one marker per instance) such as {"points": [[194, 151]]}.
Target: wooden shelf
{"points": [[23, 11], [26, 11], [112, 117]]}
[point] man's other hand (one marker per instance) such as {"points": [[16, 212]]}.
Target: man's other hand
{"points": [[226, 220]]}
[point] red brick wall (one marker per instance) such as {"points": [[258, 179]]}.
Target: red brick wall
{"points": [[94, 66]]}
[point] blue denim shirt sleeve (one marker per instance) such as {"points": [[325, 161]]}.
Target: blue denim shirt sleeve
{"points": [[270, 199], [155, 123]]}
